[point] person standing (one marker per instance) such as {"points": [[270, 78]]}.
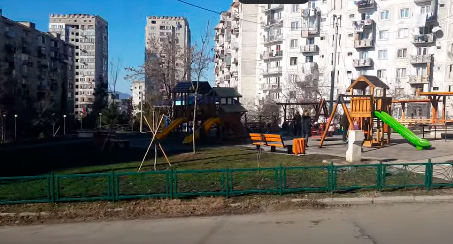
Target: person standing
{"points": [[344, 123], [306, 126], [297, 124]]}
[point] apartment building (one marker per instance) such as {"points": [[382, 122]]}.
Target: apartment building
{"points": [[169, 32], [36, 66], [89, 34], [408, 44], [138, 94]]}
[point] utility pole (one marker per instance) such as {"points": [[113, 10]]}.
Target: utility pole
{"points": [[333, 72]]}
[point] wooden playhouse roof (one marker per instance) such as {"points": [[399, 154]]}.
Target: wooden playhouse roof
{"points": [[187, 87], [367, 80], [225, 92]]}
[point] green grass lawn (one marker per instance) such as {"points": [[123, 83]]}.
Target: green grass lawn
{"points": [[307, 172]]}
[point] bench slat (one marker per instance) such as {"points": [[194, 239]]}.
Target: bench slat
{"points": [[272, 136], [276, 145], [273, 139]]}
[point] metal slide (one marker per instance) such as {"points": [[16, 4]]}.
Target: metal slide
{"points": [[418, 142], [206, 126], [175, 124]]}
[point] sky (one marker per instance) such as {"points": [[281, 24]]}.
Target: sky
{"points": [[126, 20]]}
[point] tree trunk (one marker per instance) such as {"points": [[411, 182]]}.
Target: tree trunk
{"points": [[195, 118]]}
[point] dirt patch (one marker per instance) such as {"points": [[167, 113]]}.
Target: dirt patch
{"points": [[146, 209]]}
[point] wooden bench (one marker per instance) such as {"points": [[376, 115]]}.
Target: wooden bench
{"points": [[274, 141], [257, 140]]}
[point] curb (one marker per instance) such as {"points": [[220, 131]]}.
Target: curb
{"points": [[331, 201]]}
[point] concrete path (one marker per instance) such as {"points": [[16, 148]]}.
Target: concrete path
{"points": [[368, 224]]}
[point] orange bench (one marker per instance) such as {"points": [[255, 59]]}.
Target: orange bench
{"points": [[274, 141], [257, 140]]}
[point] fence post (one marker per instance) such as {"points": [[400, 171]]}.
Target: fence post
{"points": [[171, 183], [280, 178], [113, 186], [429, 172], [227, 185], [332, 178], [51, 187], [379, 176]]}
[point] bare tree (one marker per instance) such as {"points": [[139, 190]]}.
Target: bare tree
{"points": [[201, 59], [116, 65], [303, 85]]}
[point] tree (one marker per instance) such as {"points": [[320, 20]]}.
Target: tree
{"points": [[304, 85], [201, 59]]}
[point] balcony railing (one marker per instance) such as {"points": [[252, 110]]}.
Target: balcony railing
{"points": [[363, 43], [421, 59], [310, 12], [267, 87], [235, 45], [274, 22], [423, 39], [270, 7], [419, 79], [361, 25], [359, 63], [310, 30], [422, 1], [310, 48], [272, 39], [364, 5], [272, 55], [273, 70]]}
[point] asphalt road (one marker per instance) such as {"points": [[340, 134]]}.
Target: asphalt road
{"points": [[378, 224]]}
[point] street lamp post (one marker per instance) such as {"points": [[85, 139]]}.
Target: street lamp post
{"points": [[15, 127], [100, 120], [64, 124]]}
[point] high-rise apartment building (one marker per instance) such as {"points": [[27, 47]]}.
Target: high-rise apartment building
{"points": [[138, 94], [35, 67], [406, 43], [89, 35], [169, 32]]}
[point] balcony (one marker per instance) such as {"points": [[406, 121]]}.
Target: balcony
{"points": [[269, 87], [273, 39], [310, 12], [362, 25], [273, 23], [273, 71], [422, 1], [419, 79], [310, 48], [423, 39], [310, 31], [365, 5], [363, 43], [271, 7], [272, 55], [362, 63], [421, 59], [235, 45]]}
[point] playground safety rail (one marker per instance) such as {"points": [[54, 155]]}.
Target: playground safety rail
{"points": [[115, 186]]}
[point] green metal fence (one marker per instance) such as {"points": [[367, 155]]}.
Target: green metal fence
{"points": [[223, 182]]}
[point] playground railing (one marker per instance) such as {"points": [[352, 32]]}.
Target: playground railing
{"points": [[116, 186]]}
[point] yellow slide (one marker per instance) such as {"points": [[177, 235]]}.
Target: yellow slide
{"points": [[170, 128], [206, 126]]}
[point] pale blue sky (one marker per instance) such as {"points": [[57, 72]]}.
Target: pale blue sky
{"points": [[127, 20]]}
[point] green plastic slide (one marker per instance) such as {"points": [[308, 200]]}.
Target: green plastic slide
{"points": [[403, 131]]}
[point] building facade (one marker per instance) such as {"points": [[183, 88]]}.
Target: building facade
{"points": [[138, 94], [170, 33], [35, 67], [89, 35], [406, 43]]}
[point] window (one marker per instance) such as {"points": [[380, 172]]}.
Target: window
{"points": [[349, 54], [401, 72], [383, 34], [403, 33], [309, 59], [310, 41], [295, 25], [295, 8], [402, 53], [404, 13], [420, 71], [450, 71], [436, 88], [385, 15], [425, 9], [382, 54], [349, 74], [422, 51], [292, 77], [363, 55], [293, 61], [381, 74], [351, 16], [294, 43], [350, 34]]}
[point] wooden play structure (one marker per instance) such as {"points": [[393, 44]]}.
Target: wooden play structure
{"points": [[434, 99], [218, 106], [367, 94]]}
